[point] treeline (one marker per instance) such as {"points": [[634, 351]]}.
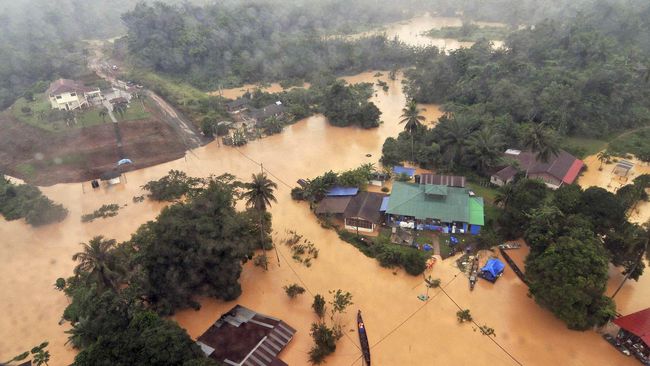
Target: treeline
{"points": [[19, 201], [573, 235], [574, 76], [119, 292], [219, 45]]}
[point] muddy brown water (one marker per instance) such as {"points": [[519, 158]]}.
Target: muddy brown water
{"points": [[402, 329]]}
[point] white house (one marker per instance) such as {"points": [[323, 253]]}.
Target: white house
{"points": [[67, 95]]}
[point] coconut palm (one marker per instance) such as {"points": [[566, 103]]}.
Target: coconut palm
{"points": [[259, 195], [504, 195], [484, 148], [541, 142], [412, 121], [103, 113], [454, 138], [119, 108], [603, 156], [98, 262]]}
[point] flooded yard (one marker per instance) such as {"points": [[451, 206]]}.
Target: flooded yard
{"points": [[402, 329]]}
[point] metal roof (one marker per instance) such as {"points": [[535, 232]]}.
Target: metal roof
{"points": [[636, 323], [410, 199], [342, 191]]}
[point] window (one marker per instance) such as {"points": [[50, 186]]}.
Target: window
{"points": [[58, 97], [360, 223], [73, 94]]}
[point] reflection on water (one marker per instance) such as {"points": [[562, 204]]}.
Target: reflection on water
{"points": [[34, 258]]}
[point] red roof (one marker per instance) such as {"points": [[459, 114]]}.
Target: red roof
{"points": [[636, 323], [573, 171]]}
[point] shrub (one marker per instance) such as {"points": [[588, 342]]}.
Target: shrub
{"points": [[324, 342], [385, 189], [464, 316], [293, 290], [319, 305]]}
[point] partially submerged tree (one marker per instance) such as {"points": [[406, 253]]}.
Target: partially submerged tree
{"points": [[258, 194]]}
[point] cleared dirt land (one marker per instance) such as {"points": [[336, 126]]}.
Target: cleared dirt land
{"points": [[80, 154]]}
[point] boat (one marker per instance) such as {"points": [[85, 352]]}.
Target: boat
{"points": [[512, 245], [363, 339]]}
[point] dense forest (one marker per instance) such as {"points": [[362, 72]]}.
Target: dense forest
{"points": [[218, 46]]}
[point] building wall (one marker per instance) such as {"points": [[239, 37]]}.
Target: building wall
{"points": [[60, 101], [350, 226], [550, 181]]}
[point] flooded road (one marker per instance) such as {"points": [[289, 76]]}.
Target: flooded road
{"points": [[402, 329]]}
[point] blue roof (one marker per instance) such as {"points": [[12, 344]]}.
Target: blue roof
{"points": [[402, 170], [342, 191], [384, 204], [493, 267]]}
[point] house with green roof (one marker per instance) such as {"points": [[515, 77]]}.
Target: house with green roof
{"points": [[436, 207]]}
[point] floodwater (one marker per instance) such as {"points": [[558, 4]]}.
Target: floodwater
{"points": [[402, 329], [605, 178], [410, 32]]}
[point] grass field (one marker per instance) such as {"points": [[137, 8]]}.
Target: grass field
{"points": [[42, 115], [583, 147], [134, 112], [488, 193], [636, 143]]}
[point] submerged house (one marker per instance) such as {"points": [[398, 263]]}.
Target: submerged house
{"points": [[435, 207], [634, 334], [562, 168], [272, 110], [67, 95], [243, 337], [359, 211]]}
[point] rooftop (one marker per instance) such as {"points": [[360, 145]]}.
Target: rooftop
{"points": [[445, 180], [242, 336], [562, 166], [636, 323], [425, 201], [66, 86], [366, 205]]}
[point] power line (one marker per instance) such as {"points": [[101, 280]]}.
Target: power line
{"points": [[478, 326]]}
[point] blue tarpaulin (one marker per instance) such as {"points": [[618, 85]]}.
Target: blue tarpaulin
{"points": [[453, 240], [402, 170], [124, 161], [342, 191], [384, 204], [492, 269], [427, 247]]}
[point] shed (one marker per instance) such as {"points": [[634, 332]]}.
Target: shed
{"points": [[623, 167], [334, 205]]}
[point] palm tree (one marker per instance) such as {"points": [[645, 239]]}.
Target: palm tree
{"points": [[505, 194], [485, 148], [119, 108], [97, 261], [103, 113], [541, 142], [603, 156], [412, 121], [259, 195], [455, 134]]}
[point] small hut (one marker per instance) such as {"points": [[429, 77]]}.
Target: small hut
{"points": [[623, 168]]}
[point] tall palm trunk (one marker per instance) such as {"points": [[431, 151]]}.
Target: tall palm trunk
{"points": [[412, 149]]}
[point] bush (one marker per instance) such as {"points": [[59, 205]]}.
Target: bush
{"points": [[294, 290], [385, 189], [26, 201], [319, 305], [173, 186], [103, 212]]}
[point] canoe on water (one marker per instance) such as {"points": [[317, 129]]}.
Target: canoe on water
{"points": [[363, 339]]}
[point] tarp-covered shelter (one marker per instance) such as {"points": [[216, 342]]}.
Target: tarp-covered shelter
{"points": [[492, 269], [403, 170], [636, 323], [623, 167]]}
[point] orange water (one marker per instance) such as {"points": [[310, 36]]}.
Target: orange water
{"points": [[402, 329]]}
